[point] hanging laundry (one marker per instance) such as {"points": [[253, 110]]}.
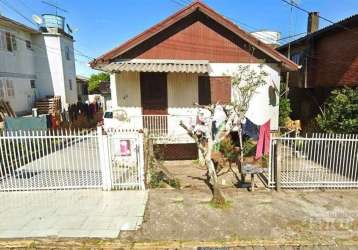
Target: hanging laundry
{"points": [[263, 144], [250, 129]]}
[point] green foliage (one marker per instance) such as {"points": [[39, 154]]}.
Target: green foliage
{"points": [[94, 81], [158, 180], [249, 148], [227, 147], [285, 111], [340, 113]]}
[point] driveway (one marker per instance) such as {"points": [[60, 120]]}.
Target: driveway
{"points": [[75, 213]]}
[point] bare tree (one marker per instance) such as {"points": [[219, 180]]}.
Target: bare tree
{"points": [[209, 133]]}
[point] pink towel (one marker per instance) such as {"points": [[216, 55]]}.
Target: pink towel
{"points": [[263, 144]]}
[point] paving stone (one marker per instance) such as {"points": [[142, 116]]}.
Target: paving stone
{"points": [[77, 213]]}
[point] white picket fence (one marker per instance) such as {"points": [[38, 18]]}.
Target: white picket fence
{"points": [[317, 161], [67, 159]]}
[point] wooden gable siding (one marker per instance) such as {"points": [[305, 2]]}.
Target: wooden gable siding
{"points": [[197, 37]]}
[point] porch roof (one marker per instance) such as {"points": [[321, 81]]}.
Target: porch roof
{"points": [[157, 65]]}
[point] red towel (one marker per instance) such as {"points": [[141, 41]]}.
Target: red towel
{"points": [[263, 144]]}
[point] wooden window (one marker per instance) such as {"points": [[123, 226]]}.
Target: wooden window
{"points": [[28, 44], [2, 41], [8, 42], [220, 89], [13, 42], [32, 84], [204, 90], [2, 93], [214, 89], [10, 88]]}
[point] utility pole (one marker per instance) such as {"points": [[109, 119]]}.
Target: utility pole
{"points": [[295, 2]]}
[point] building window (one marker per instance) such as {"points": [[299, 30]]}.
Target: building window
{"points": [[297, 58], [32, 84], [2, 93], [70, 84], [2, 41], [67, 53], [8, 41], [28, 44], [10, 88]]}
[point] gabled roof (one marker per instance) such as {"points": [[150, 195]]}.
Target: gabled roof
{"points": [[195, 6], [341, 25], [13, 23]]}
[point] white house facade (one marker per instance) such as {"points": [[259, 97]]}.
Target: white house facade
{"points": [[190, 57], [35, 64]]}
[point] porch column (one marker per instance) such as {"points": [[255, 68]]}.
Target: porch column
{"points": [[114, 79]]}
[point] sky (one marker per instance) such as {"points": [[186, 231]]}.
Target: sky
{"points": [[105, 24]]}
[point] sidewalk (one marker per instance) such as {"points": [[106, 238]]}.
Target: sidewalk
{"points": [[183, 219]]}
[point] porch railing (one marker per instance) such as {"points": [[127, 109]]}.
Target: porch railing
{"points": [[318, 161], [163, 127]]}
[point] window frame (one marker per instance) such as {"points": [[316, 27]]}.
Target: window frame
{"points": [[70, 84], [10, 91], [28, 44], [32, 84], [67, 53], [2, 89]]}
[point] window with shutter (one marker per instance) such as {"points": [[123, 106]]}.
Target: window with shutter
{"points": [[10, 88], [8, 42], [2, 94], [2, 41], [13, 41]]}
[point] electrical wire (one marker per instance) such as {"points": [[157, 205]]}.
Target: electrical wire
{"points": [[5, 3], [321, 17]]}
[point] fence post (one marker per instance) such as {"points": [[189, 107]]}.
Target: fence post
{"points": [[105, 163], [141, 160], [277, 165]]}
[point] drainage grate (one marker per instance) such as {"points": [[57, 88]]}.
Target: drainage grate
{"points": [[23, 174]]}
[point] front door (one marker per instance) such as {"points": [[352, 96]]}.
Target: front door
{"points": [[153, 88]]}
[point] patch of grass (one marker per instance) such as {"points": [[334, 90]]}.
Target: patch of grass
{"points": [[178, 201], [32, 245], [227, 204]]}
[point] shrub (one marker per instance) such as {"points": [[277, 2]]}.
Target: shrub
{"points": [[340, 112], [285, 111]]}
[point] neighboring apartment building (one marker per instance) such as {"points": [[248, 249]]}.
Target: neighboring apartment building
{"points": [[82, 88], [36, 63], [329, 59]]}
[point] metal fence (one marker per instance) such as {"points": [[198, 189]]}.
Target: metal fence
{"points": [[316, 161], [68, 159]]}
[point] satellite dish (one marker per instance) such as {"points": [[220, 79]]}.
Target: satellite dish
{"points": [[37, 19]]}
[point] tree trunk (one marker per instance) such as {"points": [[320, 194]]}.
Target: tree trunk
{"points": [[218, 197]]}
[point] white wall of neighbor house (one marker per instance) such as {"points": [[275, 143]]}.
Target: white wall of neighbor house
{"points": [[262, 106], [17, 69], [55, 67]]}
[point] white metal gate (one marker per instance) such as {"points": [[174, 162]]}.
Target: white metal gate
{"points": [[64, 159], [317, 161]]}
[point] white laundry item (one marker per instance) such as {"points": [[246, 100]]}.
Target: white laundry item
{"points": [[260, 110], [219, 115]]}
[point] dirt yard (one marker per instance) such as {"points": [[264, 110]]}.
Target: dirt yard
{"points": [[259, 218], [191, 175]]}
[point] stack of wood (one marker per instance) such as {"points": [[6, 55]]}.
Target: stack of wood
{"points": [[48, 105], [6, 110]]}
